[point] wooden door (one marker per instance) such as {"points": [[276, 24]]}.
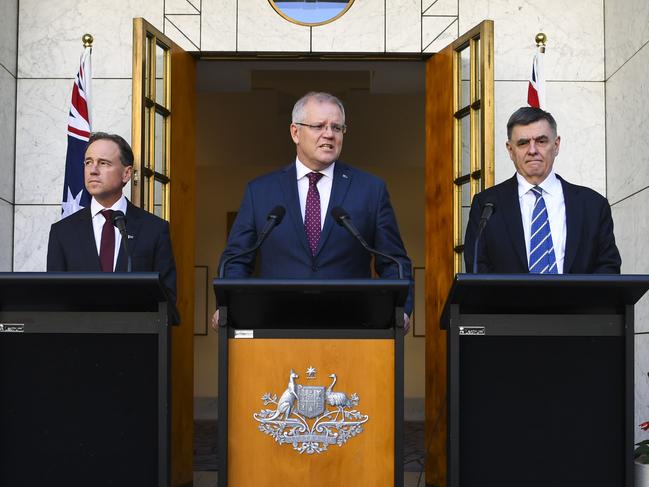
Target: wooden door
{"points": [[459, 163], [163, 135]]}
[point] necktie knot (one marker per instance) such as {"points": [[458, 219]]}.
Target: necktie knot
{"points": [[108, 215], [314, 177], [538, 192]]}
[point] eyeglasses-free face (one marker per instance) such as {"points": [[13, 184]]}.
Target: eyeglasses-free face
{"points": [[319, 138]]}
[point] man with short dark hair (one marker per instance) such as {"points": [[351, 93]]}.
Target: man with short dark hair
{"points": [[88, 241], [308, 244], [542, 224]]}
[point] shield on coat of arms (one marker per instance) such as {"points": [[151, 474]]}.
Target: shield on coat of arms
{"points": [[310, 400]]}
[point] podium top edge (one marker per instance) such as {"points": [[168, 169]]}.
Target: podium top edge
{"points": [[641, 280], [311, 283], [81, 277]]}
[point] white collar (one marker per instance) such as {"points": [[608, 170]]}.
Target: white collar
{"points": [[302, 170], [550, 185], [120, 205]]}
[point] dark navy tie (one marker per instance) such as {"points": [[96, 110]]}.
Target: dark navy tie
{"points": [[542, 259]]}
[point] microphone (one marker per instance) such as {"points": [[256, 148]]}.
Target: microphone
{"points": [[344, 220], [487, 210], [273, 219], [119, 220]]}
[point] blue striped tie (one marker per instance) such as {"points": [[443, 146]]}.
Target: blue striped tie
{"points": [[542, 259]]}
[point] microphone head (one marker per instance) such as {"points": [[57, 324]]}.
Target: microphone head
{"points": [[277, 214], [118, 217], [339, 214]]}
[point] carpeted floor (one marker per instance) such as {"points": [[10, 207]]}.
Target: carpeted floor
{"points": [[206, 453]]}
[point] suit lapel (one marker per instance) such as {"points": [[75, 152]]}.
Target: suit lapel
{"points": [[87, 242], [511, 209], [133, 224], [288, 182], [340, 184], [573, 223]]}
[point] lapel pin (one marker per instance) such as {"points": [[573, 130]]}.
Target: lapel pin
{"points": [[345, 176], [130, 237]]}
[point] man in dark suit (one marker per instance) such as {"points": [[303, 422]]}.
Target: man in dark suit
{"points": [[542, 223], [308, 244], [88, 241]]}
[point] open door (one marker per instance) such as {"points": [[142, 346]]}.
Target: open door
{"points": [[459, 164], [162, 136]]}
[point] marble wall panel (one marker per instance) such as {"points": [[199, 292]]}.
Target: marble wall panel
{"points": [[641, 386], [631, 238], [361, 29], [575, 33], [184, 30], [7, 134], [403, 26], [627, 125], [438, 32], [579, 111], [183, 7], [41, 137], [261, 28], [626, 31], [218, 25], [6, 235], [9, 34], [50, 34], [31, 232]]}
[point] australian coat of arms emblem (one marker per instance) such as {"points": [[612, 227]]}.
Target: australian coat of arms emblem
{"points": [[311, 417]]}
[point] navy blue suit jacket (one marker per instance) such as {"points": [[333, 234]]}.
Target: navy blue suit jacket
{"points": [[590, 244], [286, 253], [72, 248]]}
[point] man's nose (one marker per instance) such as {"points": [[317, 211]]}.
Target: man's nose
{"points": [[93, 168], [532, 149]]}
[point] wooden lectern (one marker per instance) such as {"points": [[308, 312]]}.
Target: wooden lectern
{"points": [[84, 395], [310, 382], [540, 387]]}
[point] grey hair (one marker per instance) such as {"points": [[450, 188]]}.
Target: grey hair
{"points": [[528, 115], [298, 109]]}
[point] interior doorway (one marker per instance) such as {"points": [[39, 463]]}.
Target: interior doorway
{"points": [[243, 112]]}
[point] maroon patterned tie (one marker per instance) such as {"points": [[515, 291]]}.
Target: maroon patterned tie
{"points": [[107, 247], [312, 212]]}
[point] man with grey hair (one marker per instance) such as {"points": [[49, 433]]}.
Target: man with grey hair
{"points": [[542, 224], [308, 244]]}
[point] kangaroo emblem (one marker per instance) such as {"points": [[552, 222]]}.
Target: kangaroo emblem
{"points": [[286, 400]]}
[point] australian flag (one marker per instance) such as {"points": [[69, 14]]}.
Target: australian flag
{"points": [[75, 195], [536, 85]]}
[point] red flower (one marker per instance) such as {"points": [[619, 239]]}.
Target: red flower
{"points": [[644, 426]]}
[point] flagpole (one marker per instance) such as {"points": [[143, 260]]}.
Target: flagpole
{"points": [[541, 40]]}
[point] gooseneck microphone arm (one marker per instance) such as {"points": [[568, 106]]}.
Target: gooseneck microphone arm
{"points": [[487, 210], [343, 219], [119, 220], [274, 218]]}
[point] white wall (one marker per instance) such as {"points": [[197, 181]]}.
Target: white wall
{"points": [[627, 155], [8, 56]]}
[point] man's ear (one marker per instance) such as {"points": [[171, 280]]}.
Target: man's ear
{"points": [[294, 134], [126, 174]]}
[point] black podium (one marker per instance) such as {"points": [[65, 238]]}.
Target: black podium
{"points": [[541, 379], [346, 334], [84, 397]]}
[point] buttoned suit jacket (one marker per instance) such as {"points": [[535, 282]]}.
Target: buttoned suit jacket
{"points": [[590, 243], [72, 248], [286, 253]]}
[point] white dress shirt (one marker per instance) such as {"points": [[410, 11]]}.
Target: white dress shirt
{"points": [[556, 207], [98, 223], [324, 187]]}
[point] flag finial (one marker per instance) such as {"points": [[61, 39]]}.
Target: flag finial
{"points": [[541, 39], [87, 40]]}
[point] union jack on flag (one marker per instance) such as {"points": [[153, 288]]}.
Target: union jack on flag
{"points": [[536, 86], [75, 195]]}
